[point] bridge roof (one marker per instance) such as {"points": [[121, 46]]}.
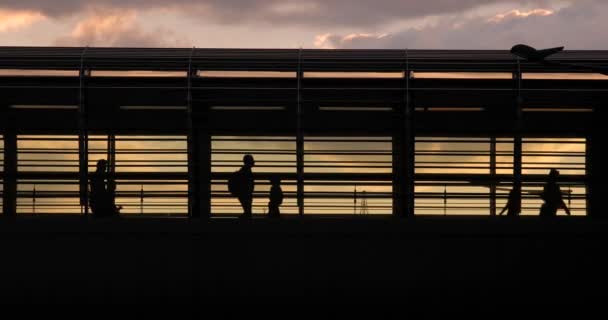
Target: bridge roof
{"points": [[286, 59]]}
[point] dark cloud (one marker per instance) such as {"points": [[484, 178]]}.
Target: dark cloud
{"points": [[576, 27], [280, 12]]}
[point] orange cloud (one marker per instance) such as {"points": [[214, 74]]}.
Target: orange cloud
{"points": [[105, 23], [332, 41], [118, 29], [13, 20], [323, 41], [514, 14]]}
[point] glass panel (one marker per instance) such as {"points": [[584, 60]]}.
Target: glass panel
{"points": [[456, 175], [138, 73], [563, 76], [246, 74], [462, 75], [38, 72], [48, 165], [151, 175], [348, 175], [354, 75]]}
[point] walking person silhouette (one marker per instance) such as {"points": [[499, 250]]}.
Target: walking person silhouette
{"points": [[98, 189], [552, 197], [513, 206], [276, 197], [241, 185]]}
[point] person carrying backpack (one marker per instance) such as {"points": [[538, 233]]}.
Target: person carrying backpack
{"points": [[241, 185]]}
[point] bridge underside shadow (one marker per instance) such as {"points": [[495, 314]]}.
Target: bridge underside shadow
{"points": [[427, 260]]}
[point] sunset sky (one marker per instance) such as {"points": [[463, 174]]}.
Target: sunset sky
{"points": [[492, 24]]}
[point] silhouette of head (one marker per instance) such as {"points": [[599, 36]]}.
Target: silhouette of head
{"points": [[248, 160], [553, 174], [101, 165], [275, 180]]}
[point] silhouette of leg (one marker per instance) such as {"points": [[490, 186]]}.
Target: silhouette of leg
{"points": [[246, 204], [273, 211]]}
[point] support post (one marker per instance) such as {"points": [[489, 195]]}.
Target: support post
{"points": [[83, 136], [299, 139], [407, 163], [589, 180], [404, 152], [595, 167], [202, 141], [493, 181], [398, 160], [193, 208], [10, 173], [410, 151], [197, 199], [517, 139], [199, 153]]}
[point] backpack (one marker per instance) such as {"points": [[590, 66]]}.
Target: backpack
{"points": [[234, 183]]}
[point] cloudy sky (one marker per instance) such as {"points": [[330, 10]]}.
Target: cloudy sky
{"points": [[416, 24]]}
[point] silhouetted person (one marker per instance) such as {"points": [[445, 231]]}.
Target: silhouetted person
{"points": [[552, 197], [276, 197], [98, 189], [241, 184], [102, 196], [513, 206], [111, 199]]}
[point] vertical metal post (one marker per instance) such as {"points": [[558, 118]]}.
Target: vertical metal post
{"points": [[300, 139], [493, 181], [111, 163], [83, 136], [111, 154], [34, 200], [404, 151], [517, 142], [398, 174], [589, 187], [445, 200], [193, 183], [141, 200], [595, 165], [203, 156], [10, 173], [205, 165], [199, 153], [355, 201], [409, 138]]}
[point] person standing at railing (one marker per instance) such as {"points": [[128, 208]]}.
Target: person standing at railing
{"points": [[102, 197], [98, 189]]}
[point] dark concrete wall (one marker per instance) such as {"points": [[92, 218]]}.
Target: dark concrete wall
{"points": [[432, 260]]}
